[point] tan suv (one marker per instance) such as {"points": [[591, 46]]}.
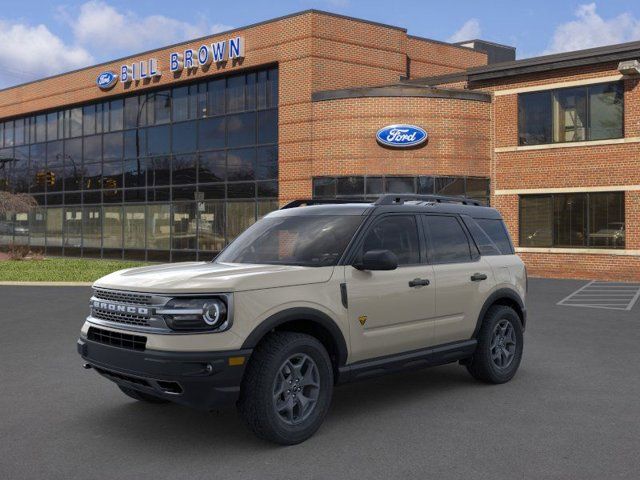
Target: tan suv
{"points": [[313, 295]]}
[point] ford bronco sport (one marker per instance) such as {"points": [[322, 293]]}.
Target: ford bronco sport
{"points": [[313, 295]]}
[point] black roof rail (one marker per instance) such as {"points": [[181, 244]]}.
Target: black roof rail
{"points": [[307, 202], [391, 199]]}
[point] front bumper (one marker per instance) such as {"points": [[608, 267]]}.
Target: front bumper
{"points": [[202, 380]]}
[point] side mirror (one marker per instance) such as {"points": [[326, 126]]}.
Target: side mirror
{"points": [[378, 260]]}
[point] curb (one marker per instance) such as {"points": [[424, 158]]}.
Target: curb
{"points": [[47, 284]]}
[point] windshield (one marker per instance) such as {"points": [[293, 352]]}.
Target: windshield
{"points": [[313, 241]]}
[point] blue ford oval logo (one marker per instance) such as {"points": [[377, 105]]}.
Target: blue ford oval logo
{"points": [[106, 80], [401, 136]]}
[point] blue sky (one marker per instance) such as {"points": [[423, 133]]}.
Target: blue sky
{"points": [[43, 37]]}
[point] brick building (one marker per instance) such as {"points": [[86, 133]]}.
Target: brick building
{"points": [[169, 154]]}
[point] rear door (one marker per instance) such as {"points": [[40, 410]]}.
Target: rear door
{"points": [[391, 311], [463, 278]]}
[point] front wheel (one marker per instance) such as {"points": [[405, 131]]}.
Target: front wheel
{"points": [[287, 388], [500, 344]]}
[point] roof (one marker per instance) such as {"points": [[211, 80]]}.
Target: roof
{"points": [[590, 56], [405, 89]]}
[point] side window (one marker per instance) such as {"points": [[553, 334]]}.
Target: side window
{"points": [[484, 243], [448, 242], [497, 232], [397, 233]]}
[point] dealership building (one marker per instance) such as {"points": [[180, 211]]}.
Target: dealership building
{"points": [[170, 154]]}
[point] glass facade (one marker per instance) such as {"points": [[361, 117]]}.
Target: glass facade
{"points": [[161, 175], [573, 220], [370, 187]]}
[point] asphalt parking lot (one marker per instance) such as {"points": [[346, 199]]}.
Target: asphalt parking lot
{"points": [[572, 412]]}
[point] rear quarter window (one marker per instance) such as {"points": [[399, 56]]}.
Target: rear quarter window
{"points": [[497, 232]]}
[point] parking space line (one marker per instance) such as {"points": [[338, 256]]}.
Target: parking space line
{"points": [[607, 295]]}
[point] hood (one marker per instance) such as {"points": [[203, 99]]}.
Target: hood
{"points": [[201, 277]]}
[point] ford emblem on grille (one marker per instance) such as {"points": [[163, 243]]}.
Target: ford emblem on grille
{"points": [[106, 80], [117, 308], [401, 136]]}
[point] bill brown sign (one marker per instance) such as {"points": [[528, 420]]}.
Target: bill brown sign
{"points": [[189, 59]]}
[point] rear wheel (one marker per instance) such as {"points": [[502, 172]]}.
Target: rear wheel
{"points": [[287, 388], [141, 396], [500, 345]]}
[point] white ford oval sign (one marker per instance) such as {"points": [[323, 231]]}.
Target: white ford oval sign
{"points": [[106, 80], [401, 136]]}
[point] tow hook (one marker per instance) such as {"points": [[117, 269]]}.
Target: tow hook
{"points": [[86, 366]]}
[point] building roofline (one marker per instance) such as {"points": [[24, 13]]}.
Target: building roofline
{"points": [[226, 32], [400, 90], [501, 45], [589, 56]]}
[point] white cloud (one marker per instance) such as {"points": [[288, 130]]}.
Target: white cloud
{"points": [[108, 31], [469, 31], [29, 52], [591, 30], [97, 32]]}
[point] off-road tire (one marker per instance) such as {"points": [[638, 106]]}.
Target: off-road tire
{"points": [[141, 396], [257, 404], [482, 365]]}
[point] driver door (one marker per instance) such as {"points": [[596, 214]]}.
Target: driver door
{"points": [[388, 312]]}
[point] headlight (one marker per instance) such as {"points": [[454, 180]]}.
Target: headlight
{"points": [[209, 314]]}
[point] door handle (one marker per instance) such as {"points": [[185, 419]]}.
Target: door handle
{"points": [[418, 282], [476, 277]]}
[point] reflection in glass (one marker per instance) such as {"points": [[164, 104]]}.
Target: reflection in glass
{"points": [[211, 226], [184, 226], [158, 227], [92, 227], [134, 226], [54, 227], [112, 227], [240, 216]]}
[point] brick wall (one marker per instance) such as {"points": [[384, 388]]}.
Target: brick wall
{"points": [[344, 140], [568, 167]]}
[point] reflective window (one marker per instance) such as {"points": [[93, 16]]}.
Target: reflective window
{"points": [[158, 227], [576, 114], [211, 133], [241, 129], [112, 227], [398, 234], [184, 226], [108, 170], [578, 220], [134, 226], [211, 224], [447, 241], [184, 137], [92, 227], [241, 164]]}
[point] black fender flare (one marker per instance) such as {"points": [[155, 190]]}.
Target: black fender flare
{"points": [[500, 294], [297, 314]]}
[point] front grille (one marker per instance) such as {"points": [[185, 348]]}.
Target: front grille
{"points": [[117, 339], [126, 318], [123, 297]]}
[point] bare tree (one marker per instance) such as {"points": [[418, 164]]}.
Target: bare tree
{"points": [[16, 203]]}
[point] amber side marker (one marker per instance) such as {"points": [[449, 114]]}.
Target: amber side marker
{"points": [[236, 361]]}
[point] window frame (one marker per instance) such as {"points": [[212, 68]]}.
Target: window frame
{"points": [[552, 93]]}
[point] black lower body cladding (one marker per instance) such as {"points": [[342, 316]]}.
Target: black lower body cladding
{"points": [[202, 380]]}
